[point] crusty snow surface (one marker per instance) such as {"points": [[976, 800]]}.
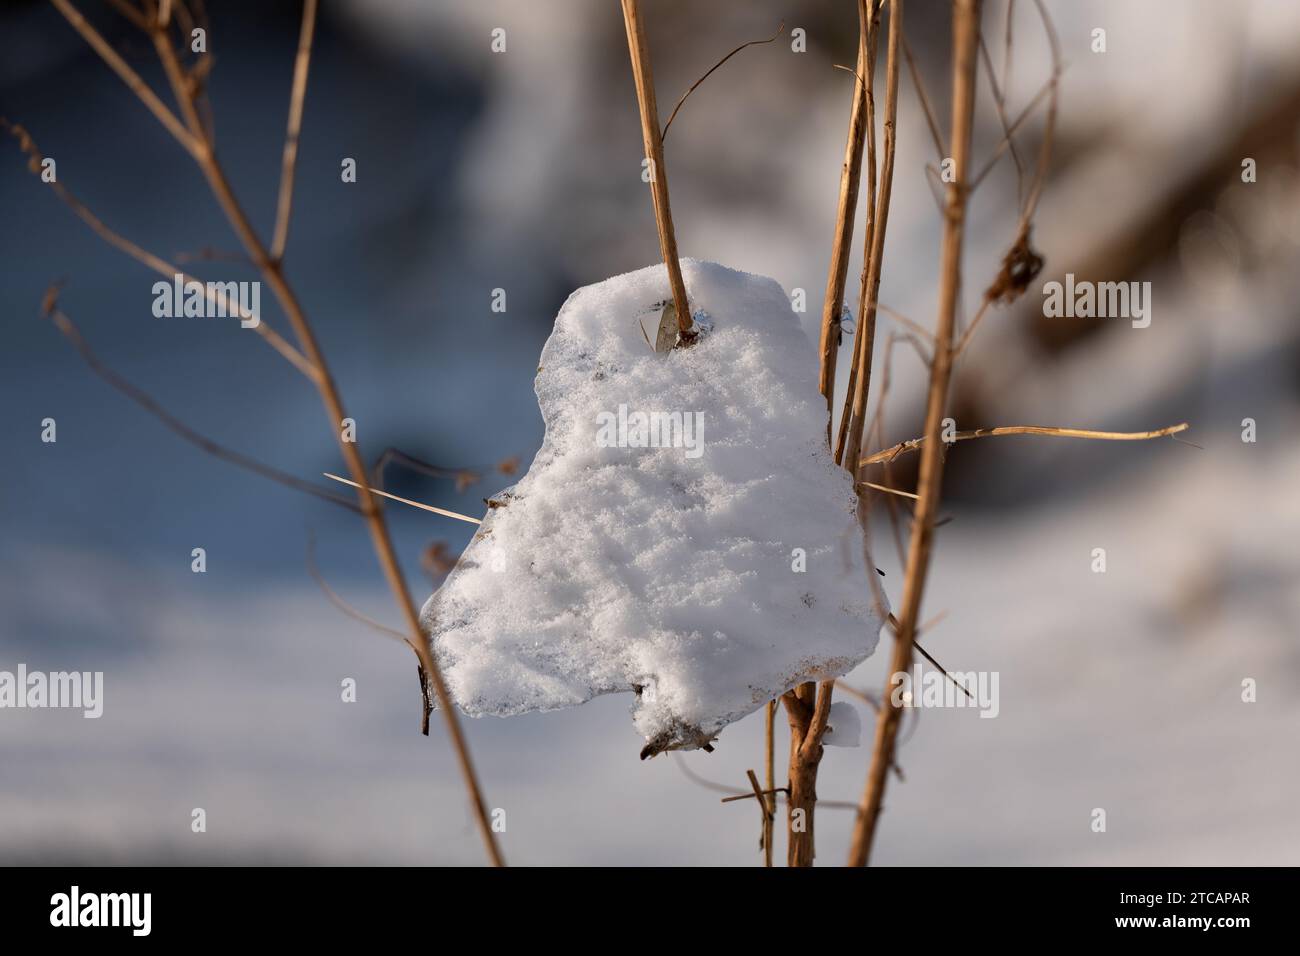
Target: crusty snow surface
{"points": [[669, 571]]}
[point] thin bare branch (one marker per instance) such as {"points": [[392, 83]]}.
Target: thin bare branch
{"points": [[889, 454], [856, 402], [337, 600], [970, 329], [999, 106], [132, 79], [178, 79], [1019, 121], [779, 30], [821, 715], [284, 208], [152, 261], [845, 212], [1049, 127], [652, 139], [965, 40], [930, 121], [769, 763], [768, 817], [70, 331]]}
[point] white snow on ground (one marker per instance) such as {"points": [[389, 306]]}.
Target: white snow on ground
{"points": [[671, 570]]}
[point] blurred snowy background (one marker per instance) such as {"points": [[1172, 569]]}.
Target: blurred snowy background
{"points": [[521, 171]]}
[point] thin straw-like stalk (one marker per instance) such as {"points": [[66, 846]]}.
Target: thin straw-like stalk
{"points": [[654, 151], [889, 454], [284, 207], [845, 212], [965, 42], [876, 253]]}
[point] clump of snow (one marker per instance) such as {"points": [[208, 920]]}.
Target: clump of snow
{"points": [[683, 532], [843, 726]]}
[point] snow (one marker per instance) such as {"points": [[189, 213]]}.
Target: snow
{"points": [[843, 726], [707, 565]]}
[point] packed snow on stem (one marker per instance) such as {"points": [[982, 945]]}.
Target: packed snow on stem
{"points": [[683, 533]]}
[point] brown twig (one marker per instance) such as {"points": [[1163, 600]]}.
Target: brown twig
{"points": [[70, 331], [926, 108], [736, 795], [284, 207], [1005, 142], [769, 764], [762, 794], [765, 808], [779, 30], [965, 39], [871, 40], [889, 454], [856, 403], [1000, 107], [132, 79], [808, 706], [845, 212], [652, 140], [853, 418], [337, 600], [801, 803], [149, 259]]}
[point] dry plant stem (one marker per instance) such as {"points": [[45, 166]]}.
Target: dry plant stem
{"points": [[766, 805], [869, 229], [128, 75], [769, 740], [148, 259], [199, 146], [1000, 105], [965, 41], [1019, 121], [801, 802], [70, 331], [876, 252], [652, 139], [926, 108], [337, 599], [694, 86], [808, 754], [889, 454], [284, 208], [850, 178], [808, 707]]}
